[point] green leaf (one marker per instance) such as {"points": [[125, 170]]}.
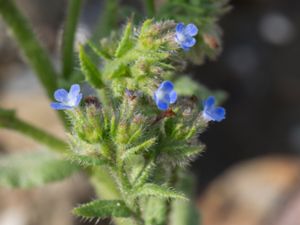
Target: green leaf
{"points": [[102, 209], [126, 42], [99, 51], [33, 169], [87, 161], [139, 148], [155, 190], [90, 70]]}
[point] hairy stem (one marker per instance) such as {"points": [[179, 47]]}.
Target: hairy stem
{"points": [[9, 120], [35, 54], [73, 15]]}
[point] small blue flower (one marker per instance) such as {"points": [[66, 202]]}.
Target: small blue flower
{"points": [[184, 35], [211, 112], [165, 95], [67, 100]]}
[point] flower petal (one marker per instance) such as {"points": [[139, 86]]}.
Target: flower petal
{"points": [[166, 86], [162, 105], [219, 114], [189, 42], [74, 91], [180, 27], [191, 29], [61, 95], [78, 99], [209, 102], [173, 96], [59, 106]]}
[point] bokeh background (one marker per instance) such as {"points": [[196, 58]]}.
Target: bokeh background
{"points": [[250, 171]]}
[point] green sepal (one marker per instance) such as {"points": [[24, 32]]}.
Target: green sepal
{"points": [[33, 169], [90, 70], [102, 209]]}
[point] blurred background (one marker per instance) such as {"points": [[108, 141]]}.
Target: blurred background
{"points": [[250, 171]]}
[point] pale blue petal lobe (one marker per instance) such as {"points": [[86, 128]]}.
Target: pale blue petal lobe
{"points": [[189, 42], [179, 27], [74, 90], [191, 29], [78, 99], [166, 86], [173, 97], [59, 106], [61, 95], [209, 102], [162, 105]]}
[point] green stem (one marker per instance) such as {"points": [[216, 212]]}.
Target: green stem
{"points": [[9, 120], [73, 15], [35, 54], [150, 7]]}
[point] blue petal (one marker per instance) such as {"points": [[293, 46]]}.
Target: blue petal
{"points": [[166, 86], [179, 27], [219, 114], [162, 105], [78, 99], [209, 102], [74, 91], [154, 96], [61, 95], [191, 29], [189, 42], [162, 97], [173, 97], [59, 106], [185, 48]]}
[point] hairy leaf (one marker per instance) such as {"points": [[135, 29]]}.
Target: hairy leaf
{"points": [[126, 41], [150, 189], [90, 70], [33, 169], [139, 148], [103, 209], [87, 161]]}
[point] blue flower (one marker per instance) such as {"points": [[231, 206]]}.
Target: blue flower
{"points": [[211, 112], [67, 100], [165, 95], [184, 35]]}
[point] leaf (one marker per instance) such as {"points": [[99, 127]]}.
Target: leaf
{"points": [[90, 70], [126, 42], [155, 190], [102, 209], [139, 148], [99, 51], [33, 169], [87, 161]]}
